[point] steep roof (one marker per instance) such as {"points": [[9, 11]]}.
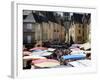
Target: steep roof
{"points": [[29, 18], [77, 17], [40, 18]]}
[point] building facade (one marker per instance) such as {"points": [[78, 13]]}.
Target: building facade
{"points": [[79, 30], [55, 27], [38, 27]]}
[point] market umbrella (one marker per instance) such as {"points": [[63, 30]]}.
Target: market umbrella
{"points": [[38, 52], [76, 64], [38, 48], [24, 49], [74, 57], [33, 57], [43, 63], [85, 62], [26, 53], [76, 45], [51, 49], [80, 63], [86, 46], [75, 49], [46, 53], [77, 52]]}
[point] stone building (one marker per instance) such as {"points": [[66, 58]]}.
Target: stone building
{"points": [[28, 28], [79, 30], [67, 24], [42, 26]]}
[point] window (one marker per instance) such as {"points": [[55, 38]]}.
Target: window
{"points": [[29, 39], [79, 38], [24, 39], [79, 31], [24, 27], [29, 26]]}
